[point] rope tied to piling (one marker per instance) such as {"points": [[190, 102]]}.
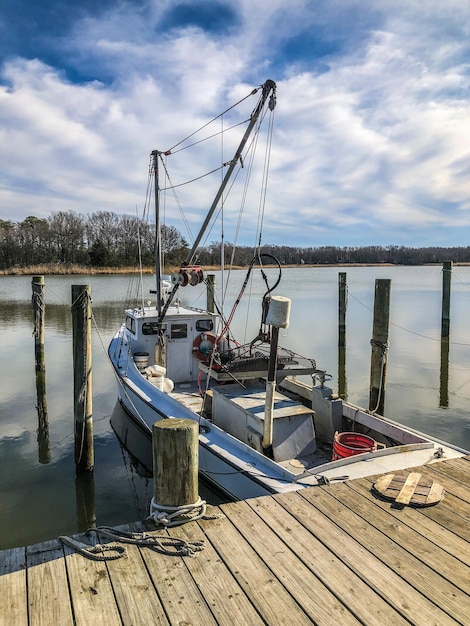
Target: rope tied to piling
{"points": [[383, 345], [176, 515]]}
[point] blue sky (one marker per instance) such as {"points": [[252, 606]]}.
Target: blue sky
{"points": [[372, 129]]}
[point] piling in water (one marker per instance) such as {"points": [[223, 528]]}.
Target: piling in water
{"points": [[82, 387], [342, 308], [379, 343], [39, 311]]}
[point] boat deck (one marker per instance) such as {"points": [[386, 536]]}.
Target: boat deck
{"points": [[333, 554]]}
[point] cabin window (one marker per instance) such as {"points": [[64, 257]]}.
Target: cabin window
{"points": [[150, 328], [179, 331], [203, 326], [130, 324]]}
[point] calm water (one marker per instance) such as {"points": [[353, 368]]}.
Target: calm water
{"points": [[39, 496]]}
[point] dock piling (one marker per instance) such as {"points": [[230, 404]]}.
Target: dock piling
{"points": [[342, 308], [175, 462], [446, 282], [211, 293], [379, 343], [82, 388], [445, 334], [39, 310]]}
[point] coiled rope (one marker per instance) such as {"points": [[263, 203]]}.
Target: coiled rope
{"points": [[162, 515], [164, 544]]}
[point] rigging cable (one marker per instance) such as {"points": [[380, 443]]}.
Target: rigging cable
{"points": [[252, 93]]}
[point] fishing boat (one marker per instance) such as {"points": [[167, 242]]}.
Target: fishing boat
{"points": [[268, 421]]}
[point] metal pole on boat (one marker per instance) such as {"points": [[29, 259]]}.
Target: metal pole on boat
{"points": [[277, 317], [82, 387], [268, 91], [379, 343], [158, 234], [268, 94], [270, 389]]}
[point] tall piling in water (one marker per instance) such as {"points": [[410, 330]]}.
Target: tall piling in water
{"points": [[211, 293], [39, 311], [342, 308], [39, 308], [82, 379], [446, 283], [445, 334], [379, 344]]}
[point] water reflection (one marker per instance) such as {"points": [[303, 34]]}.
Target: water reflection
{"points": [[85, 501], [444, 378], [44, 446], [342, 380]]}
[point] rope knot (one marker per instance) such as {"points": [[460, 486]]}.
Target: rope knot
{"points": [[176, 515]]}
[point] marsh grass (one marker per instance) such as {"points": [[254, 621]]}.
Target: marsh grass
{"points": [[69, 269], [62, 269]]}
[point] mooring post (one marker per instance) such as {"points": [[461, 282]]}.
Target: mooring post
{"points": [[175, 461], [379, 343], [444, 374], [211, 293], [39, 309], [342, 308], [445, 333], [82, 387], [446, 282]]}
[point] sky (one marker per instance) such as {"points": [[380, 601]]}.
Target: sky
{"points": [[371, 138]]}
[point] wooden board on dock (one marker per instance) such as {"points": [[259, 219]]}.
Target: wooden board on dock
{"points": [[335, 554]]}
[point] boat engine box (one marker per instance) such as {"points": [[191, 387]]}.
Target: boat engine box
{"points": [[328, 413], [241, 413]]}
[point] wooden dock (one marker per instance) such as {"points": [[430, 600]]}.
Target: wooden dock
{"points": [[334, 554]]}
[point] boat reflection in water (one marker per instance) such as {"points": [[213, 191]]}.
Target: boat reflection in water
{"points": [[135, 446]]}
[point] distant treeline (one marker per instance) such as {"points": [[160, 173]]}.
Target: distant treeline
{"points": [[104, 239]]}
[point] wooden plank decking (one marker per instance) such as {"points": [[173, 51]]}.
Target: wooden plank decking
{"points": [[326, 555]]}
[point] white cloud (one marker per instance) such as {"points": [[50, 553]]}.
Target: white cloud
{"points": [[370, 145]]}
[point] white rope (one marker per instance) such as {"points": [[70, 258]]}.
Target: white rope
{"points": [[172, 546], [96, 552], [177, 515]]}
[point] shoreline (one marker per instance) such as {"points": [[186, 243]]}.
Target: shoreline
{"points": [[59, 270]]}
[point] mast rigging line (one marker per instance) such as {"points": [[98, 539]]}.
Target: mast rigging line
{"points": [[252, 93], [220, 132], [268, 96], [250, 150]]}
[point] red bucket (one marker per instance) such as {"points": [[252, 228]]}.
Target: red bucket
{"points": [[349, 444]]}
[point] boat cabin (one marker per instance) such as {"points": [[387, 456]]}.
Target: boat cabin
{"points": [[186, 332]]}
